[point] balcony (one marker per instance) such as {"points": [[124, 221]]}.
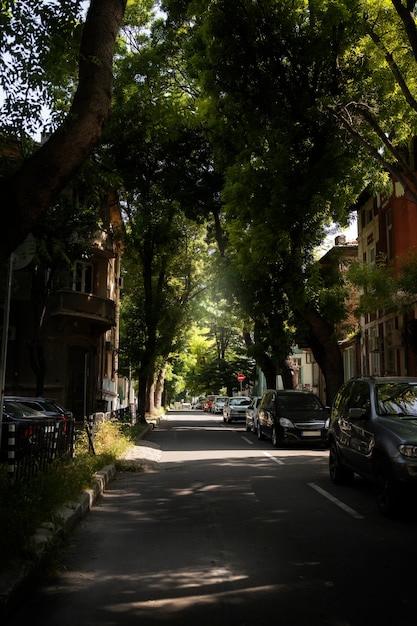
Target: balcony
{"points": [[76, 304]]}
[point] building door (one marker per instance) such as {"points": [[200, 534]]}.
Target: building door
{"points": [[80, 392]]}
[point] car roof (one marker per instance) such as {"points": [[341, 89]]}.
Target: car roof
{"points": [[31, 398], [385, 379], [291, 391]]}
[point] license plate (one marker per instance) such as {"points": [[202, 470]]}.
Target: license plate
{"points": [[311, 433]]}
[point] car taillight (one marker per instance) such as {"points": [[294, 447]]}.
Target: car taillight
{"points": [[27, 433]]}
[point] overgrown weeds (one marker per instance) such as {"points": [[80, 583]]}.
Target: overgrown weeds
{"points": [[25, 505]]}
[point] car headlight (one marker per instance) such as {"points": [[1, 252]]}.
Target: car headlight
{"points": [[408, 450], [285, 423]]}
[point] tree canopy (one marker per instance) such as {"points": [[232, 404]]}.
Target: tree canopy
{"points": [[37, 179], [258, 122]]}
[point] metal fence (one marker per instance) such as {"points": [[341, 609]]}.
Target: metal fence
{"points": [[30, 447], [92, 422]]}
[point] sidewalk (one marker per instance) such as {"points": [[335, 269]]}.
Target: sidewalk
{"points": [[144, 454]]}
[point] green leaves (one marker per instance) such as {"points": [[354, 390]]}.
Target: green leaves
{"points": [[38, 49]]}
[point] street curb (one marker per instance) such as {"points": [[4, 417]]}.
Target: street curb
{"points": [[50, 534]]}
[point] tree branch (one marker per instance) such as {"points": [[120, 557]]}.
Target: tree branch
{"points": [[28, 193]]}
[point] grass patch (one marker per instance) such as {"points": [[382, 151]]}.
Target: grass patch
{"points": [[25, 505]]}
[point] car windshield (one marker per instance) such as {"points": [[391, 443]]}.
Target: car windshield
{"points": [[16, 409], [240, 401], [396, 398], [299, 402]]}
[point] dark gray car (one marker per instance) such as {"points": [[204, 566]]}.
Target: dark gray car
{"points": [[373, 432]]}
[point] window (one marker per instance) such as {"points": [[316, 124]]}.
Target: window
{"points": [[374, 351], [372, 256], [390, 352], [83, 277], [360, 396]]}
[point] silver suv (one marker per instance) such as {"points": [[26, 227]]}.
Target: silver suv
{"points": [[373, 432]]}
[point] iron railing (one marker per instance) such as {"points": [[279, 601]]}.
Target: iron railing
{"points": [[30, 447]]}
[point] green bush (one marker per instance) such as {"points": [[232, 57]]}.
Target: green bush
{"points": [[26, 504]]}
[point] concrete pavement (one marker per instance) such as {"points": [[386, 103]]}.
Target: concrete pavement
{"points": [[143, 454]]}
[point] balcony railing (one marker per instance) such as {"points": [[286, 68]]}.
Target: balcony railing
{"points": [[86, 306]]}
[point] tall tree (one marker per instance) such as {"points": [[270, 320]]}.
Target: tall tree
{"points": [[35, 184], [378, 106], [159, 151], [265, 69]]}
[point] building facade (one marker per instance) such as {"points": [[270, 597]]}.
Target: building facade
{"points": [[79, 338], [387, 226]]}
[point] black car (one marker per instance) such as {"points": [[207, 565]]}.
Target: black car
{"points": [[291, 416], [27, 428], [373, 433], [47, 406]]}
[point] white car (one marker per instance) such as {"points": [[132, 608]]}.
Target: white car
{"points": [[235, 408], [218, 404]]}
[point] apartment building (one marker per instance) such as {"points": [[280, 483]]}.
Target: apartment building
{"points": [[77, 355], [387, 225]]}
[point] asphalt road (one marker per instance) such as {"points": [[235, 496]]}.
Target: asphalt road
{"points": [[228, 531]]}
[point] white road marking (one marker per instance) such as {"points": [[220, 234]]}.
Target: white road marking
{"points": [[274, 458], [336, 501], [247, 440]]}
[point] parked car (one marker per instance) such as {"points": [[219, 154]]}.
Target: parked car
{"points": [[292, 416], [235, 408], [373, 433], [48, 406], [218, 404], [252, 414], [31, 429], [208, 402], [51, 409], [199, 404]]}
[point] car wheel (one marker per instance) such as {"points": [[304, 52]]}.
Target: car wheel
{"points": [[248, 427], [259, 432], [386, 489], [274, 437], [339, 473]]}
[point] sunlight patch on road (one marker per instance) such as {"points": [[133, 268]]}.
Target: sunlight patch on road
{"points": [[172, 605]]}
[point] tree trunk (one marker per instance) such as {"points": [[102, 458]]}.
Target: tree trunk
{"points": [[36, 184], [150, 393], [38, 365], [263, 361], [326, 351], [159, 387], [141, 399], [289, 375]]}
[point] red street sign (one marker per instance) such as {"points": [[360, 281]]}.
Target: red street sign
{"points": [[241, 377]]}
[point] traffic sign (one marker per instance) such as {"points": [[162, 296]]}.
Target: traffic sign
{"points": [[241, 377], [24, 253]]}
